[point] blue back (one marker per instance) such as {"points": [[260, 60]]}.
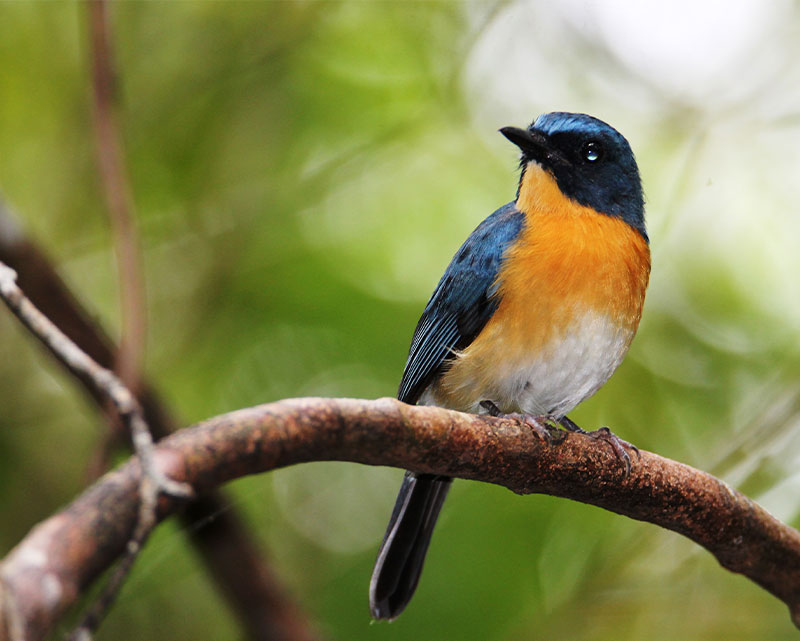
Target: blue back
{"points": [[462, 303]]}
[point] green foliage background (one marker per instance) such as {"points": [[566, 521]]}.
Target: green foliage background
{"points": [[302, 173]]}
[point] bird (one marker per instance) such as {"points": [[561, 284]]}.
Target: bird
{"points": [[533, 315]]}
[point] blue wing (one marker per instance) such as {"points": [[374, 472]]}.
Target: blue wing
{"points": [[462, 302]]}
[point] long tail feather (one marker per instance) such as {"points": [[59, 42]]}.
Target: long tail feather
{"points": [[402, 552]]}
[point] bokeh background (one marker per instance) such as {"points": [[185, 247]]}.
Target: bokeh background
{"points": [[302, 173]]}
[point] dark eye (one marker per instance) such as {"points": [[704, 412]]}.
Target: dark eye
{"points": [[592, 151]]}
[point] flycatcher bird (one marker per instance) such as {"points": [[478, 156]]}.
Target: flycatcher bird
{"points": [[532, 316]]}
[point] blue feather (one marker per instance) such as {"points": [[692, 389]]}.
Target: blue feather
{"points": [[462, 303]]}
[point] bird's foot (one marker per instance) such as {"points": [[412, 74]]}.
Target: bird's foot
{"points": [[544, 427], [604, 434]]}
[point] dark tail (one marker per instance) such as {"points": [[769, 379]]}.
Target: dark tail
{"points": [[402, 552]]}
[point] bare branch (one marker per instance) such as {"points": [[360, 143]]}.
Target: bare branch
{"points": [[64, 554], [118, 193], [85, 368], [153, 480], [225, 545]]}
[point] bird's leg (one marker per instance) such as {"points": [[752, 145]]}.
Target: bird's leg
{"points": [[605, 434], [491, 408], [538, 424]]}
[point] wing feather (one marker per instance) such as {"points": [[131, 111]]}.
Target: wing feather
{"points": [[462, 302]]}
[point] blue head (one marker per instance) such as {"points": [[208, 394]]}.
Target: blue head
{"points": [[591, 162]]}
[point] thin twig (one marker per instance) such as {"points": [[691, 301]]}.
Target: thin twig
{"points": [[144, 526], [79, 542], [119, 202], [84, 367], [119, 199], [224, 542], [153, 481]]}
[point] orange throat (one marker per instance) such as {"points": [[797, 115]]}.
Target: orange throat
{"points": [[569, 255]]}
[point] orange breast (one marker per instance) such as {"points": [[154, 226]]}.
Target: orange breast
{"points": [[568, 261], [569, 257]]}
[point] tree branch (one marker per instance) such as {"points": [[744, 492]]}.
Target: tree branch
{"points": [[118, 194], [224, 543], [85, 368], [106, 383], [56, 562]]}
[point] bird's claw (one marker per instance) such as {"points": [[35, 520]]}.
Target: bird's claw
{"points": [[619, 446], [604, 434], [542, 426], [538, 425], [491, 408]]}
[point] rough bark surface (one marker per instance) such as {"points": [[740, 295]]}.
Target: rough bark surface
{"points": [[60, 557]]}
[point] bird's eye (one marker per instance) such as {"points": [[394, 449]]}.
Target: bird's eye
{"points": [[592, 151]]}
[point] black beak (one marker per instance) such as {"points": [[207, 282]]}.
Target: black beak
{"points": [[533, 144]]}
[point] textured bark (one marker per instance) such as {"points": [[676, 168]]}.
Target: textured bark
{"points": [[63, 555]]}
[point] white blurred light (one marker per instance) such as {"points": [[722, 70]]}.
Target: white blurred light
{"points": [[688, 49], [626, 59]]}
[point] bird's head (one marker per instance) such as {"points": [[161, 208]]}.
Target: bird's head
{"points": [[591, 163]]}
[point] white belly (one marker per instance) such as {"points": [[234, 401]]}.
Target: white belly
{"points": [[569, 369]]}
